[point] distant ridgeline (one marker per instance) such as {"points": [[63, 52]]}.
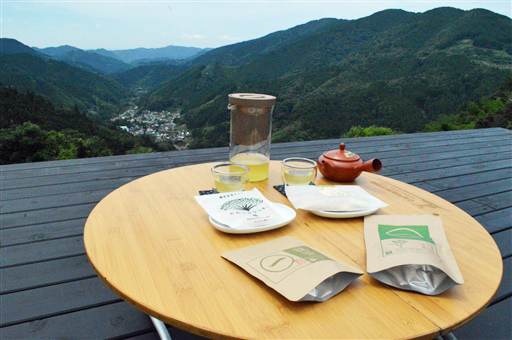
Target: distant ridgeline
{"points": [[397, 70]]}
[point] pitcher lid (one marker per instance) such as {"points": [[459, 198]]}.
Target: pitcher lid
{"points": [[342, 154], [251, 99]]}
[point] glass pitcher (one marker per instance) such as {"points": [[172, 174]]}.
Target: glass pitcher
{"points": [[250, 132]]}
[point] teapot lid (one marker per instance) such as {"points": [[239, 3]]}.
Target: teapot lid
{"points": [[342, 154]]}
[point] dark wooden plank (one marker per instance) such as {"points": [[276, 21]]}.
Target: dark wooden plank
{"points": [[113, 320], [90, 166], [81, 177], [46, 215], [103, 163], [504, 241], [39, 186], [425, 186], [176, 334], [505, 289], [441, 149], [147, 336], [41, 251], [45, 273], [182, 159], [415, 139], [390, 150], [480, 169], [461, 159], [497, 201], [475, 191], [473, 208], [58, 163], [454, 155], [67, 297], [53, 201], [496, 221], [494, 323], [471, 179], [42, 232], [58, 189]]}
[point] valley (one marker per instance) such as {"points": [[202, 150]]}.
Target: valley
{"points": [[403, 71]]}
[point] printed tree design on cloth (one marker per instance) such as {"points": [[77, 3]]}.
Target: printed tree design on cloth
{"points": [[241, 204]]}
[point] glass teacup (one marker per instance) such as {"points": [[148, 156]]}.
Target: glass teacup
{"points": [[298, 171], [230, 177]]}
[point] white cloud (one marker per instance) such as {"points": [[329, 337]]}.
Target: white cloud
{"points": [[230, 38], [99, 26], [193, 36]]}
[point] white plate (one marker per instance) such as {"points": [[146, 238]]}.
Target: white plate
{"points": [[344, 214], [287, 215]]}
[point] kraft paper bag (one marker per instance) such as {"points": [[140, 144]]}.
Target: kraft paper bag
{"points": [[410, 252], [294, 269]]}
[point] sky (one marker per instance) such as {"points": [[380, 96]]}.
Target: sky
{"points": [[126, 24]]}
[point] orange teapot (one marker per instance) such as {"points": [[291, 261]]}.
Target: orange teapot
{"points": [[345, 166]]}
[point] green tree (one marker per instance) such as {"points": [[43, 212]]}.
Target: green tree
{"points": [[359, 131], [139, 149], [490, 111]]}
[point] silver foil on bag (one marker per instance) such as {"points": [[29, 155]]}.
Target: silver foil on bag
{"points": [[330, 287], [425, 279]]}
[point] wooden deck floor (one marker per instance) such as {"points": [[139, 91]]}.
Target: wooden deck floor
{"points": [[49, 290]]}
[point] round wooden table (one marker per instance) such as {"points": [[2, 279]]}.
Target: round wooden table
{"points": [[153, 245]]}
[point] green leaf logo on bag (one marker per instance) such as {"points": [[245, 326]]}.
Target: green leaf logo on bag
{"points": [[245, 204], [400, 239]]}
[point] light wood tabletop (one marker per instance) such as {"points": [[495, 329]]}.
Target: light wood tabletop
{"points": [[153, 244]]}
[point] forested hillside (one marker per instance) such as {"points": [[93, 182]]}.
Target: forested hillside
{"points": [[64, 84], [150, 75], [491, 111], [393, 69], [33, 129]]}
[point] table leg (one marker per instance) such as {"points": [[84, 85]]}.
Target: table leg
{"points": [[161, 329]]}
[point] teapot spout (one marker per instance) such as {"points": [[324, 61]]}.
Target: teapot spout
{"points": [[373, 165]]}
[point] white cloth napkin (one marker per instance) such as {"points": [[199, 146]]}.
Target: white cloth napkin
{"points": [[336, 198], [240, 210]]}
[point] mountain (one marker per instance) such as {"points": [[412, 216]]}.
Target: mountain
{"points": [[94, 62], [151, 74], [105, 53], [394, 69], [13, 46], [105, 61], [245, 52], [63, 84], [133, 56], [57, 51], [86, 60]]}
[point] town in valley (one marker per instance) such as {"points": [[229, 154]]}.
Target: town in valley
{"points": [[161, 125]]}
